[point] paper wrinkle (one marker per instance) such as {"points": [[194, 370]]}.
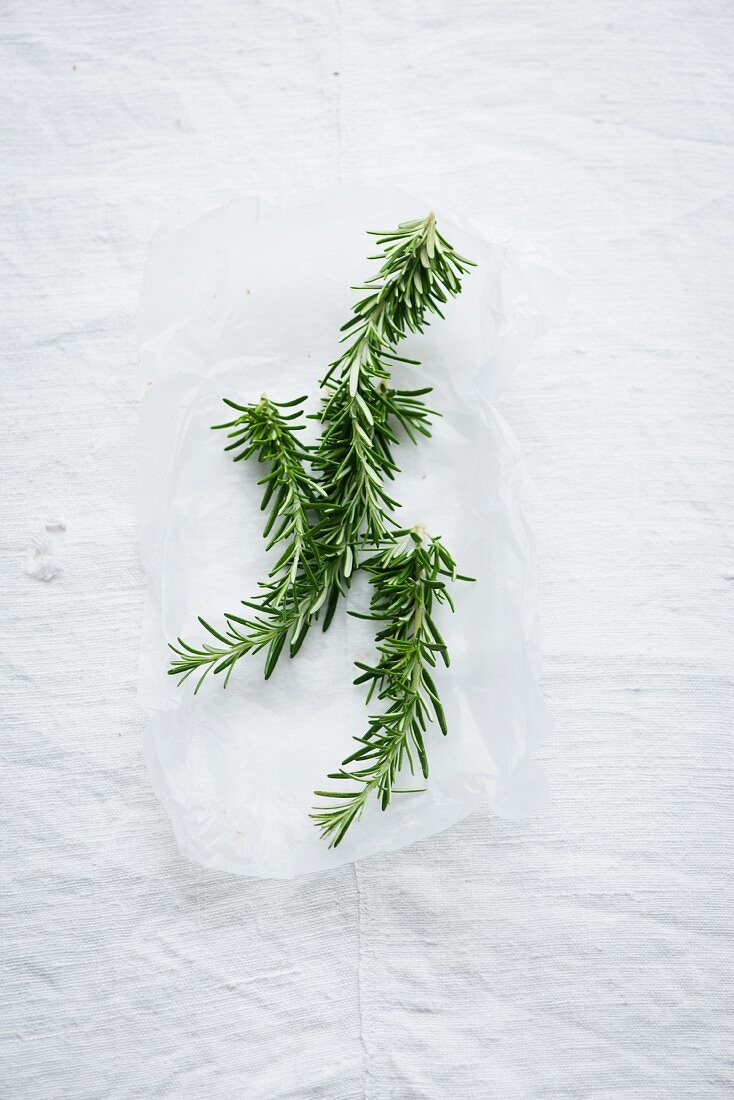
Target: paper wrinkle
{"points": [[250, 298]]}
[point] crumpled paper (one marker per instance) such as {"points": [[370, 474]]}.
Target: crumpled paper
{"points": [[249, 299]]}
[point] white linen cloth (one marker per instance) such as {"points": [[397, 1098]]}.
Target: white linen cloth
{"points": [[582, 954]]}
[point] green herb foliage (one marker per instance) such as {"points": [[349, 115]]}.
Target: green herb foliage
{"points": [[362, 412], [346, 498], [268, 430], [409, 579]]}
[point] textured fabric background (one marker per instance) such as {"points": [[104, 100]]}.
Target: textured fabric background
{"points": [[584, 954]]}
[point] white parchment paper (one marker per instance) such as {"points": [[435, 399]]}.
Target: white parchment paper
{"points": [[249, 299]]}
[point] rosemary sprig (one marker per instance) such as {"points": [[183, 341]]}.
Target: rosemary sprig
{"points": [[361, 411], [409, 578], [266, 431]]}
